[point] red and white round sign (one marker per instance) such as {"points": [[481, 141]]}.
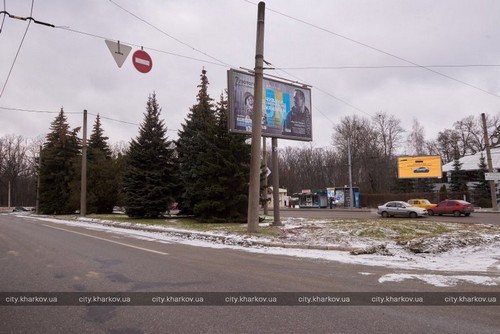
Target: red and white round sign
{"points": [[142, 61]]}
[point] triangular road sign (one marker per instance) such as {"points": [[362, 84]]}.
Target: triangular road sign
{"points": [[118, 51]]}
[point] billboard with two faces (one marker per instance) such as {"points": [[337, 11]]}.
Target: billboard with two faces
{"points": [[286, 108]]}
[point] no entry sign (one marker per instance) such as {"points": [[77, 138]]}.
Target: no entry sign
{"points": [[142, 61]]}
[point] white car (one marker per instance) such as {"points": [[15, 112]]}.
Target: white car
{"points": [[401, 209]]}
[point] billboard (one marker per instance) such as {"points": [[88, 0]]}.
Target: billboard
{"points": [[286, 108], [419, 167]]}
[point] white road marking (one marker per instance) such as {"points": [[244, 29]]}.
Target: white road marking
{"points": [[104, 239]]}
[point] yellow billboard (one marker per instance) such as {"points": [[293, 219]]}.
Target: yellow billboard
{"points": [[419, 167]]}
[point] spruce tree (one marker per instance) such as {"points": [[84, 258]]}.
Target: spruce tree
{"points": [[236, 166], [227, 173], [457, 179], [149, 180], [59, 168], [194, 148], [102, 180], [214, 164], [481, 189]]}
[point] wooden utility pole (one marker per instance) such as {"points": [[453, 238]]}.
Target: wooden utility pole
{"points": [[253, 193], [493, 188]]}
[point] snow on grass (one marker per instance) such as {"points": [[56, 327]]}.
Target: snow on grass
{"points": [[450, 254]]}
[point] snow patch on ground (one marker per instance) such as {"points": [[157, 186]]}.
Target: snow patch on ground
{"points": [[463, 255]]}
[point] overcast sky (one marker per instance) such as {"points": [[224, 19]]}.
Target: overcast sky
{"points": [[359, 57]]}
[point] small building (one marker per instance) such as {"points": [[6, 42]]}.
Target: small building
{"points": [[340, 196], [282, 197], [471, 162], [313, 199]]}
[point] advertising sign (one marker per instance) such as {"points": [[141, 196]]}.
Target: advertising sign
{"points": [[419, 167], [286, 108]]}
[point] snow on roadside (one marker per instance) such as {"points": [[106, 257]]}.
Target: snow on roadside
{"points": [[447, 260]]}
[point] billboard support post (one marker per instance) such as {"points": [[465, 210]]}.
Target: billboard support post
{"points": [[253, 193], [265, 184], [276, 183]]}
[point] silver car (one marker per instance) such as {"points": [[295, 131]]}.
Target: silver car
{"points": [[400, 209]]}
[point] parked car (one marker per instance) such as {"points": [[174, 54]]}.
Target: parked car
{"points": [[454, 207], [421, 170], [421, 203], [20, 209], [401, 209]]}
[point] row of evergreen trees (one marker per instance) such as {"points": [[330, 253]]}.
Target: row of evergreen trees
{"points": [[205, 171]]}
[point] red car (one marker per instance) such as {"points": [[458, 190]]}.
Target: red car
{"points": [[452, 207]]}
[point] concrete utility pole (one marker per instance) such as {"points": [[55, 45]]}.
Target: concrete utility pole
{"points": [[253, 193], [83, 195], [493, 188]]}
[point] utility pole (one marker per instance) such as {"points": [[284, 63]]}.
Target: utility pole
{"points": [[253, 193], [83, 195], [493, 188], [38, 182], [350, 171], [276, 183]]}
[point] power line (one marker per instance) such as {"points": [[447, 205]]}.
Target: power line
{"points": [[25, 18], [384, 67], [18, 50], [41, 111], [324, 92], [168, 35], [141, 46], [376, 49], [4, 12], [72, 113]]}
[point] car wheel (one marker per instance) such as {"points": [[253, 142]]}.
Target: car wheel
{"points": [[456, 213], [430, 212], [385, 214], [413, 215], [467, 214]]}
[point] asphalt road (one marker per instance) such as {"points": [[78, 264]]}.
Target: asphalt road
{"points": [[37, 256], [492, 218]]}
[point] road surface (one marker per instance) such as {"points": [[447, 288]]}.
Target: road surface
{"points": [[43, 257]]}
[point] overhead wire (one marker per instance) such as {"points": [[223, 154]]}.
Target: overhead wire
{"points": [[169, 35], [377, 49], [222, 63], [384, 67], [72, 113], [4, 12], [140, 46], [18, 50], [382, 51]]}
